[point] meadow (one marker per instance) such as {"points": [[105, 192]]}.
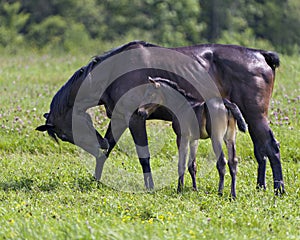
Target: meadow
{"points": [[47, 190]]}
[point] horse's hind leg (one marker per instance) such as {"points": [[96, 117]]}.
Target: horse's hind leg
{"points": [[265, 145], [261, 170], [192, 166], [137, 128], [273, 154]]}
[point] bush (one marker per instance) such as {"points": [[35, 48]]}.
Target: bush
{"points": [[56, 33], [12, 22]]}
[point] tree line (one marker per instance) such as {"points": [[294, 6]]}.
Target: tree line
{"points": [[70, 24]]}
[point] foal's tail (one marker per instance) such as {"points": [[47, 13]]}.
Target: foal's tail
{"points": [[234, 109], [271, 58]]}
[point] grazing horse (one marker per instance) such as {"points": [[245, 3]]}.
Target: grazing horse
{"points": [[161, 92], [242, 75]]}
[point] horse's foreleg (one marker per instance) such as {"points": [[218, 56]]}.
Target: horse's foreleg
{"points": [[137, 128], [99, 166], [111, 136], [192, 166]]}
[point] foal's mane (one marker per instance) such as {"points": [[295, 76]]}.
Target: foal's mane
{"points": [[66, 95], [175, 86]]}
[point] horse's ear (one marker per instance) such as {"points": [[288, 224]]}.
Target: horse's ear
{"points": [[46, 115], [155, 83], [44, 128], [151, 80]]}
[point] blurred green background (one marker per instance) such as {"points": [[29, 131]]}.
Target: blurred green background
{"points": [[72, 26]]}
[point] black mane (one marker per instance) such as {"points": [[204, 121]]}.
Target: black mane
{"points": [[175, 86], [120, 49], [65, 97]]}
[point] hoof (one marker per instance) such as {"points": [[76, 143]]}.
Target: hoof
{"points": [[95, 179], [279, 188], [259, 186], [232, 198], [179, 189]]}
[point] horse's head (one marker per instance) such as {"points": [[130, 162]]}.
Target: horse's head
{"points": [[60, 126], [152, 98], [71, 125], [77, 129]]}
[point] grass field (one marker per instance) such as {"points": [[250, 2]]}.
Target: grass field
{"points": [[47, 191]]}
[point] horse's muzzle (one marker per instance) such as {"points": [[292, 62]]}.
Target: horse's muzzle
{"points": [[104, 144]]}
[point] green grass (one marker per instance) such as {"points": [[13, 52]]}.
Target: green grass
{"points": [[47, 191]]}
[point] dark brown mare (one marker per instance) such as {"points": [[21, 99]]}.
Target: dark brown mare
{"points": [[164, 92], [242, 75]]}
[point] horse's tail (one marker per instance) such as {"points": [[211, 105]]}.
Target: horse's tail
{"points": [[234, 109], [271, 58]]}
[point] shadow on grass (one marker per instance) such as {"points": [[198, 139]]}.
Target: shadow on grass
{"points": [[15, 185], [28, 184], [81, 183], [87, 184]]}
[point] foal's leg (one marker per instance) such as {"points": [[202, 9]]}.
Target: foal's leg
{"points": [[218, 120], [182, 144], [229, 139], [137, 128], [221, 164], [112, 136], [192, 166]]}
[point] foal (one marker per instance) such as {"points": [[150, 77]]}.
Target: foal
{"points": [[187, 135]]}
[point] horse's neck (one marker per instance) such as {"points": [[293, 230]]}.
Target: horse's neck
{"points": [[82, 96]]}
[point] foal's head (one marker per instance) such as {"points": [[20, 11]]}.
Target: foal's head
{"points": [[162, 92], [153, 97]]}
